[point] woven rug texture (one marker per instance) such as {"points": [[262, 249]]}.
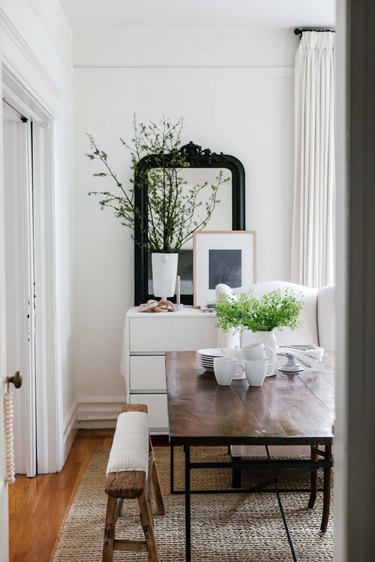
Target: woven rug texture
{"points": [[225, 527]]}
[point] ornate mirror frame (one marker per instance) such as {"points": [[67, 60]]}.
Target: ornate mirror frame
{"points": [[197, 158]]}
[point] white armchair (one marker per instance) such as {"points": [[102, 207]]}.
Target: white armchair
{"points": [[326, 317], [317, 328]]}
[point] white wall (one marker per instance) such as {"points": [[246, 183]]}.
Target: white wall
{"points": [[36, 48], [184, 48], [235, 93]]}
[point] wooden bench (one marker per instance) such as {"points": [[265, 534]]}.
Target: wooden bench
{"points": [[131, 474]]}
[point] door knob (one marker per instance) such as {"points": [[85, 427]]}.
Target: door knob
{"points": [[16, 379]]}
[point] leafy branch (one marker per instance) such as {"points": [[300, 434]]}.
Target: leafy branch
{"points": [[173, 210]]}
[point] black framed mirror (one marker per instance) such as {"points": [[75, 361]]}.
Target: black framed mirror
{"points": [[229, 214]]}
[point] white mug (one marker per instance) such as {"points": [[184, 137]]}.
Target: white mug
{"points": [[234, 354], [257, 351], [256, 371], [237, 355], [225, 369]]}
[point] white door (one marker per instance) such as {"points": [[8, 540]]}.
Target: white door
{"points": [[19, 259], [4, 548], [16, 298], [30, 253], [3, 484]]}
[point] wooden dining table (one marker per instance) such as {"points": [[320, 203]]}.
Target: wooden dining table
{"points": [[288, 409]]}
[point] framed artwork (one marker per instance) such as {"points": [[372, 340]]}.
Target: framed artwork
{"points": [[222, 257]]}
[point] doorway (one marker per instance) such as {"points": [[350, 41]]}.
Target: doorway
{"points": [[29, 192], [20, 279]]}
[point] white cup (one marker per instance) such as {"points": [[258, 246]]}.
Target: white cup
{"points": [[234, 354], [237, 355], [225, 369], [256, 371], [256, 352]]}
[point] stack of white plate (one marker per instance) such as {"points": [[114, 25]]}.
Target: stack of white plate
{"points": [[205, 357]]}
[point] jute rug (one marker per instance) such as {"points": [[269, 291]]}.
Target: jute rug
{"points": [[225, 527]]}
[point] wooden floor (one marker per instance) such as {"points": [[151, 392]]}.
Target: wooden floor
{"points": [[37, 506]]}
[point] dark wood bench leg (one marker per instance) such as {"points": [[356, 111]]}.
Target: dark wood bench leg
{"points": [[109, 530], [160, 507], [314, 478], [148, 528], [327, 488], [148, 486]]}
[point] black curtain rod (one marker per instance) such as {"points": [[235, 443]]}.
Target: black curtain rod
{"points": [[300, 30]]}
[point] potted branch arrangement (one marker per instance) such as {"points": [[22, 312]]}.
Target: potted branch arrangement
{"points": [[262, 316], [174, 210]]}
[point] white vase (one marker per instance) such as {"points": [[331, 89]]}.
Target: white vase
{"points": [[164, 273], [228, 339], [268, 339], [231, 338]]}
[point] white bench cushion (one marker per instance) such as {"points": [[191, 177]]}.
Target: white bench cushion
{"points": [[130, 443]]}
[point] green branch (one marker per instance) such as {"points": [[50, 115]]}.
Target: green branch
{"points": [[170, 209]]}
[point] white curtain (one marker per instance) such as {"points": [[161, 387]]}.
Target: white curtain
{"points": [[313, 241]]}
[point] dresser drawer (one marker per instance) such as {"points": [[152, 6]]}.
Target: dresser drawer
{"points": [[172, 334], [157, 410], [147, 373]]}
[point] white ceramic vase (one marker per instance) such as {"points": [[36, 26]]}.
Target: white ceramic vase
{"points": [[268, 339], [164, 273], [228, 339]]}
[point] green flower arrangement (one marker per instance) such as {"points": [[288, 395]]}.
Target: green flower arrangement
{"points": [[274, 309]]}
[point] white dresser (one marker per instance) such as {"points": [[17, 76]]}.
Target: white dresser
{"points": [[147, 336]]}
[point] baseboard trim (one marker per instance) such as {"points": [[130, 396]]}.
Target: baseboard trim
{"points": [[98, 412], [70, 429], [101, 412]]}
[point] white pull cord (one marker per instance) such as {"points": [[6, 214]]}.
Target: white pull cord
{"points": [[10, 468]]}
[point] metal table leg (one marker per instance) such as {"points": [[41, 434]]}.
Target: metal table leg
{"points": [[187, 504], [327, 488], [171, 463], [313, 478]]}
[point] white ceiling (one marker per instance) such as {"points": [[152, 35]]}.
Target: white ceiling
{"points": [[198, 14]]}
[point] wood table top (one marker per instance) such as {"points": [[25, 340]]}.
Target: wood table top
{"points": [[286, 409]]}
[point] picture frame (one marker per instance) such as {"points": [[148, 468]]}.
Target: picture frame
{"points": [[226, 256]]}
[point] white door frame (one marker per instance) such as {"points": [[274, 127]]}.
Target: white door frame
{"points": [[48, 392]]}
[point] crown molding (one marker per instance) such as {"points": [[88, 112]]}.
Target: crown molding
{"points": [[255, 71], [12, 32]]}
